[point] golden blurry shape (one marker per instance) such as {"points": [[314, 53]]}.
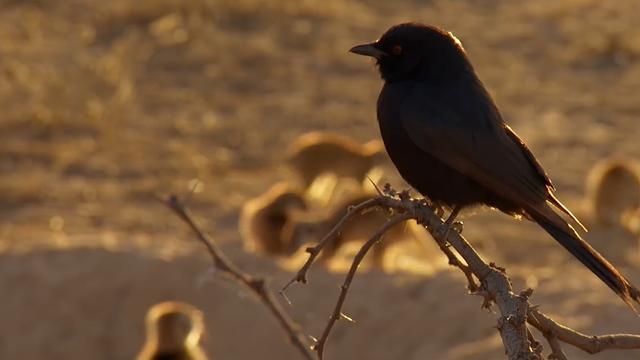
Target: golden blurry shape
{"points": [[56, 223], [415, 257], [321, 189], [613, 191], [633, 221], [169, 30], [327, 189], [263, 219], [173, 333], [315, 153], [613, 203]]}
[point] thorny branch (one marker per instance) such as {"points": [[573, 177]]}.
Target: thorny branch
{"points": [[589, 343], [344, 289], [314, 251], [495, 286], [257, 285]]}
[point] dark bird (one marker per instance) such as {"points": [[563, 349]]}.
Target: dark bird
{"points": [[173, 333], [445, 135]]}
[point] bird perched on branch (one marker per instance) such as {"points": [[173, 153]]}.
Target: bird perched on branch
{"points": [[445, 135], [173, 333]]}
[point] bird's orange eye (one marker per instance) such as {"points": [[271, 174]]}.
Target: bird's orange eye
{"points": [[396, 50]]}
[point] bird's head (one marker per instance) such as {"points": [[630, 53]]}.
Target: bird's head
{"points": [[412, 51]]}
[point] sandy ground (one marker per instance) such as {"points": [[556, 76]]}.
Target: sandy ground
{"points": [[106, 104]]}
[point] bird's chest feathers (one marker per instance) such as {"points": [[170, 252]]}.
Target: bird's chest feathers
{"points": [[394, 135], [395, 99]]}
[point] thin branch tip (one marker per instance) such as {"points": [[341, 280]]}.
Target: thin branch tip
{"points": [[257, 285]]}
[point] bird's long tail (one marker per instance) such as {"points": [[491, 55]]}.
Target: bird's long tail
{"points": [[567, 237]]}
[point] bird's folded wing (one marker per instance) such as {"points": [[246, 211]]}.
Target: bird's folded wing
{"points": [[470, 141]]}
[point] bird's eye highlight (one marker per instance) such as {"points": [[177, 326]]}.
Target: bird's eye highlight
{"points": [[396, 50]]}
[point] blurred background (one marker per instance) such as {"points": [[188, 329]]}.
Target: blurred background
{"points": [[106, 104]]}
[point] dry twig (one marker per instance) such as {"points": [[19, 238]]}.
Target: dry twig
{"points": [[257, 285], [515, 310], [344, 289], [314, 251], [589, 343]]}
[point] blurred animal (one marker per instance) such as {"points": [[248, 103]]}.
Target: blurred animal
{"points": [[327, 188], [327, 163], [306, 228], [613, 192], [315, 153], [263, 218], [447, 138], [173, 333]]}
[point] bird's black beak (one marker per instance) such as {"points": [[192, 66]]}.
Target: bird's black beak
{"points": [[368, 50]]}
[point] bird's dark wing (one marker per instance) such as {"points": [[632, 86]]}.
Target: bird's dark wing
{"points": [[529, 155], [465, 131]]}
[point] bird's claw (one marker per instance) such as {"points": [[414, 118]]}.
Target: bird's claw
{"points": [[458, 226], [443, 232]]}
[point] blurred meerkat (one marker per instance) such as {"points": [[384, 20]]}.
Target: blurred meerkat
{"points": [[613, 191], [173, 333], [328, 189], [263, 219], [317, 153]]}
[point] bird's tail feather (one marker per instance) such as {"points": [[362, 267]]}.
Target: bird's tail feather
{"points": [[567, 237]]}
